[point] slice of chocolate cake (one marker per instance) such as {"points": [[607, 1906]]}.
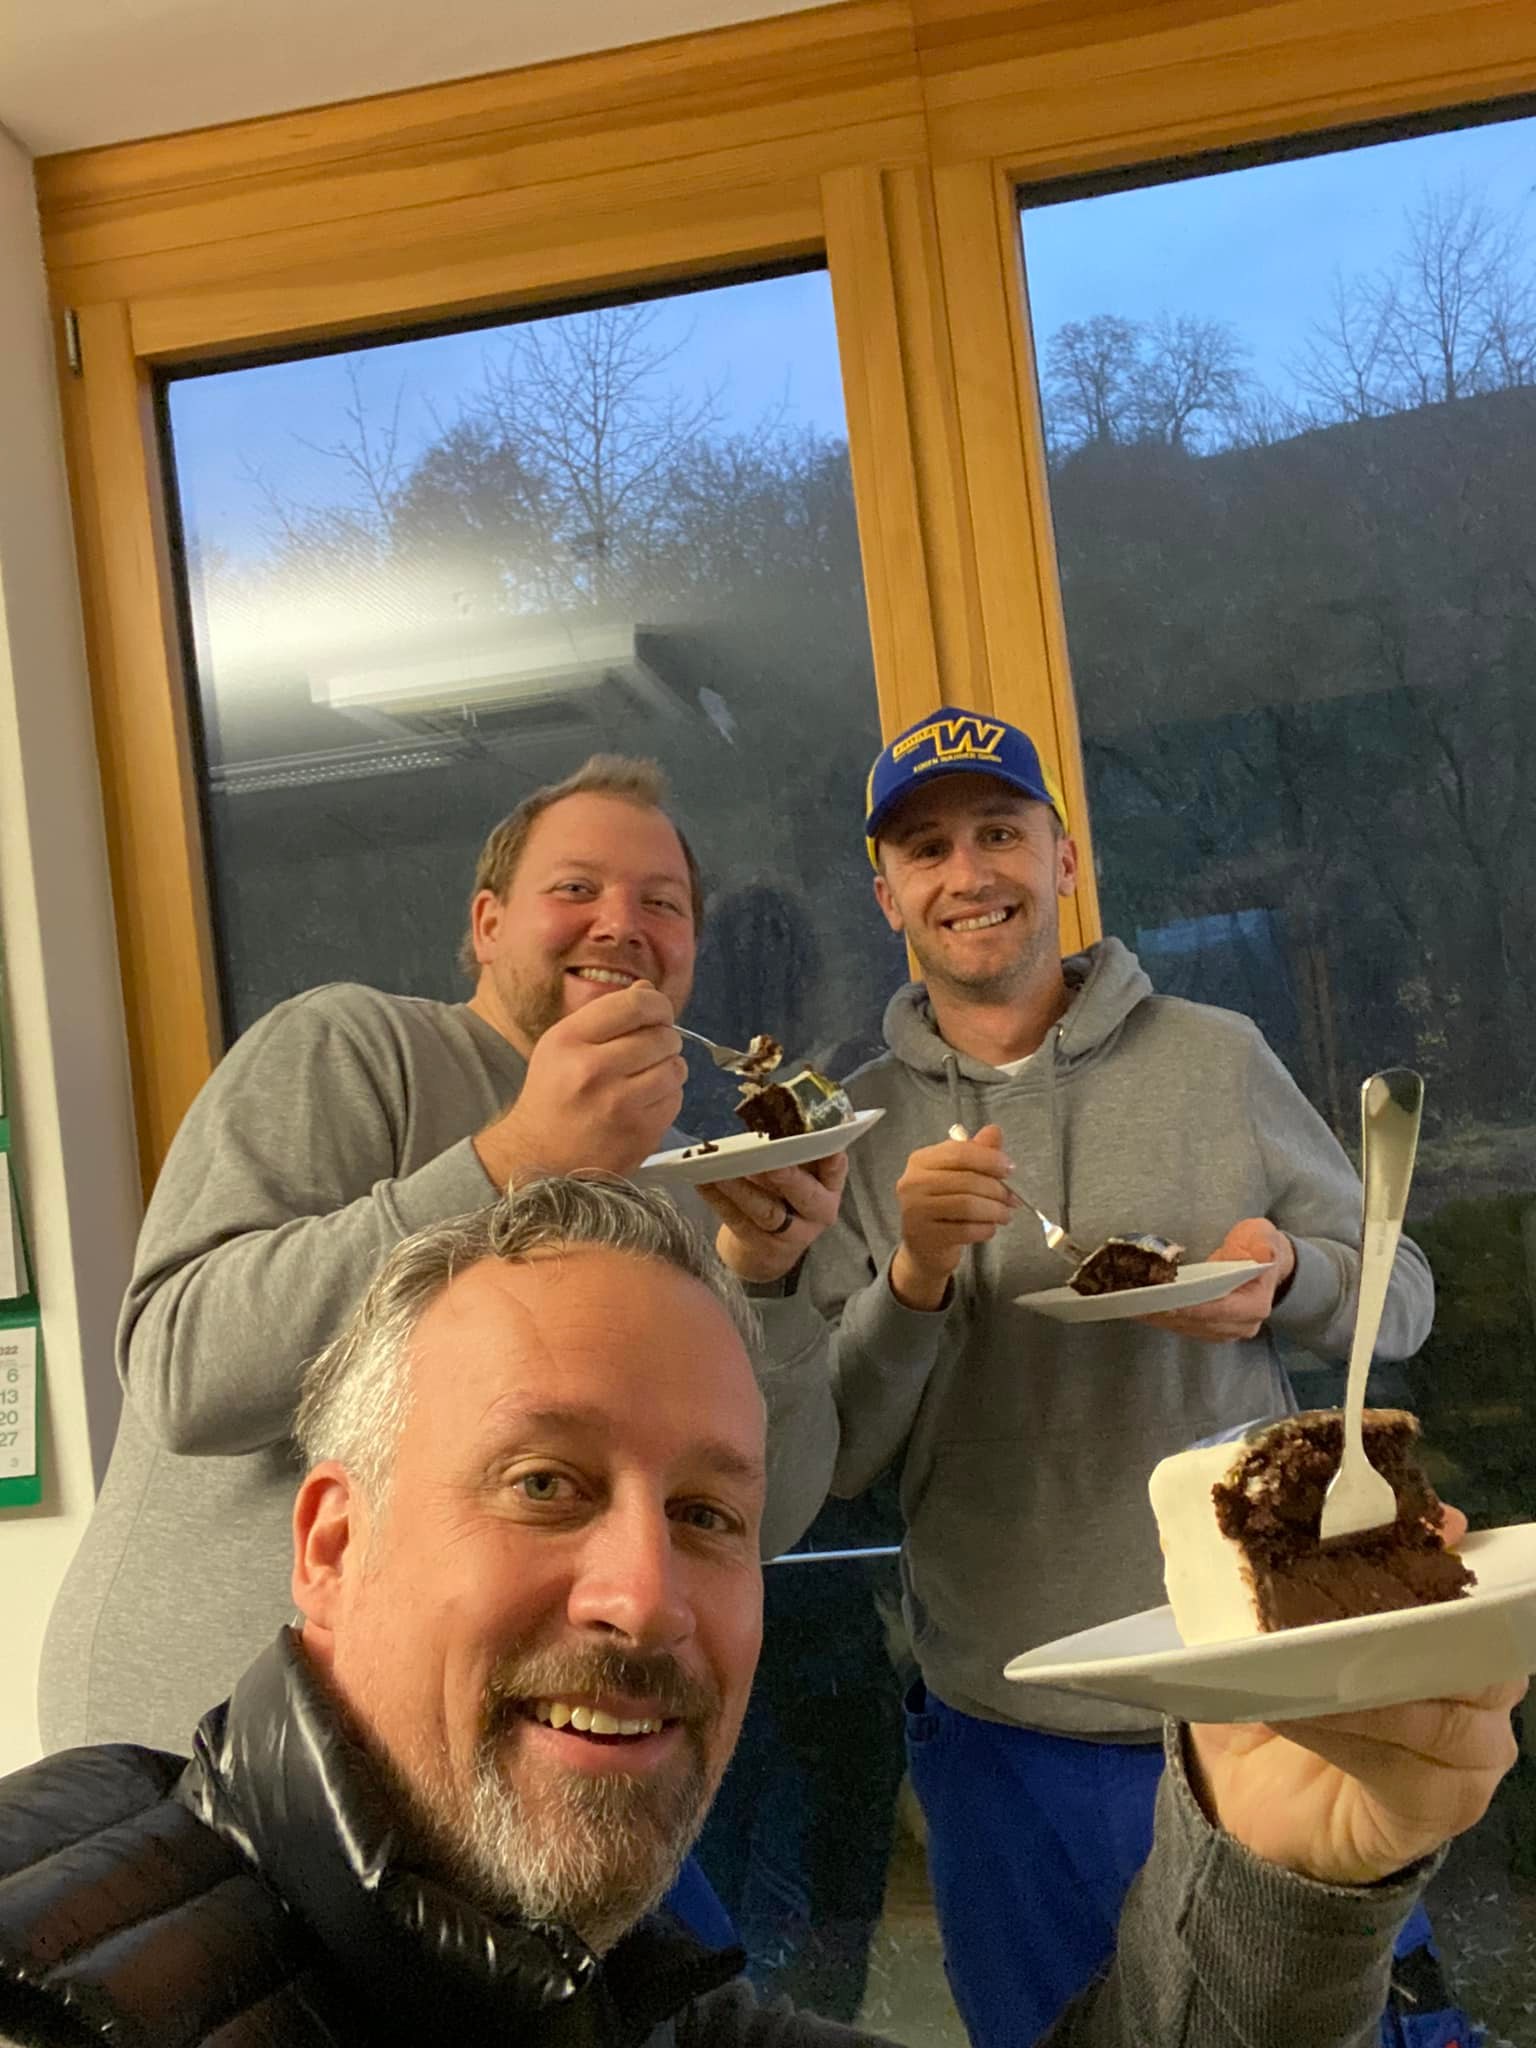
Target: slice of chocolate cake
{"points": [[1239, 1528], [1122, 1262], [808, 1101], [762, 1055], [772, 1110]]}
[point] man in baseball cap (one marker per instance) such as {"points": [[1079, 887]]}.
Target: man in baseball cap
{"points": [[1024, 1444]]}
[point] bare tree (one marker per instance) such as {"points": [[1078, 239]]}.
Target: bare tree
{"points": [[1260, 418], [475, 506], [1512, 337], [1343, 372], [354, 526], [1189, 377], [1176, 379], [1454, 315], [586, 403], [1089, 386], [369, 452], [582, 472], [1462, 288]]}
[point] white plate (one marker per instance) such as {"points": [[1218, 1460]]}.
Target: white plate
{"points": [[747, 1152], [1207, 1282], [1332, 1667]]}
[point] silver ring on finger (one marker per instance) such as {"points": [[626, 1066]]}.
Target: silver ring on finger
{"points": [[783, 1223]]}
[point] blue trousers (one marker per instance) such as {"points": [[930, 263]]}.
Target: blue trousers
{"points": [[1033, 1841], [697, 1904]]}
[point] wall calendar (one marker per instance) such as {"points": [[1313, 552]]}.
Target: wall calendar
{"points": [[21, 1349]]}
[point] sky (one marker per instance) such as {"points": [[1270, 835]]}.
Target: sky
{"points": [[1258, 248]]}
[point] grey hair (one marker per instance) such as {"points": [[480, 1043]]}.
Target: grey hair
{"points": [[357, 1392]]}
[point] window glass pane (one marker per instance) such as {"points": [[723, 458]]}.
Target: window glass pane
{"points": [[427, 577], [423, 579], [1291, 412]]}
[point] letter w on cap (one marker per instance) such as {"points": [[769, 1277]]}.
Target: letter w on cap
{"points": [[953, 739], [965, 739]]}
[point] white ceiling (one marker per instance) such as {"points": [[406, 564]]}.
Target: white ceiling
{"points": [[74, 73]]}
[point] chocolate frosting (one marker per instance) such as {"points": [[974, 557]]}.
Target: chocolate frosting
{"points": [[1271, 1503]]}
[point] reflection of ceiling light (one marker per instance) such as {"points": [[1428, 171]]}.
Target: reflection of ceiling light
{"points": [[342, 764], [527, 668]]}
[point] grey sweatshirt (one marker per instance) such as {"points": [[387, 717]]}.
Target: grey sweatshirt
{"points": [[336, 1126], [1025, 1445]]}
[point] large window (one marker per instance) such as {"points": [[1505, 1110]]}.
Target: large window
{"points": [[427, 577], [421, 580], [1291, 416]]}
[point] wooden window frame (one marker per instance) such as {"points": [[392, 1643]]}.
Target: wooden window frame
{"points": [[889, 135]]}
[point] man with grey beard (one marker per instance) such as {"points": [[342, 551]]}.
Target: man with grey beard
{"points": [[446, 1806]]}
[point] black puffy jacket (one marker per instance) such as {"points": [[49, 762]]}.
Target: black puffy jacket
{"points": [[260, 1894]]}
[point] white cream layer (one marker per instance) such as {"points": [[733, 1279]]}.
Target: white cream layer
{"points": [[1208, 1585]]}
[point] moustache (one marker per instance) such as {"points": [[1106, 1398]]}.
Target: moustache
{"points": [[655, 1676]]}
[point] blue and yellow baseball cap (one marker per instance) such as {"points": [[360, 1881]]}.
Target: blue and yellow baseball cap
{"points": [[953, 742]]}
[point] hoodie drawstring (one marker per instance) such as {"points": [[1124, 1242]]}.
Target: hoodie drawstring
{"points": [[1049, 1052], [1052, 1051], [952, 1077]]}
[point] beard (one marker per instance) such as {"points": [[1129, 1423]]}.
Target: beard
{"points": [[1039, 950], [533, 1001], [593, 1852]]}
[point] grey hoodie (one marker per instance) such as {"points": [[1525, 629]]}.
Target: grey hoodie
{"points": [[337, 1125], [1025, 1444]]}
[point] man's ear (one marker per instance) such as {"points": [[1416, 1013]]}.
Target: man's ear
{"points": [[887, 903], [1066, 865], [329, 1537], [485, 914]]}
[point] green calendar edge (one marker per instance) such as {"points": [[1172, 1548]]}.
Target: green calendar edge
{"points": [[20, 1312]]}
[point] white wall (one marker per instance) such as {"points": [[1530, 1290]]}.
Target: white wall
{"points": [[69, 1098]]}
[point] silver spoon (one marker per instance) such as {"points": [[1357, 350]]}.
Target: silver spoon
{"points": [[1055, 1236], [1391, 1104]]}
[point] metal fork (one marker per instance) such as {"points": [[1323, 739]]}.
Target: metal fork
{"points": [[1055, 1236], [1358, 1498], [724, 1056]]}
